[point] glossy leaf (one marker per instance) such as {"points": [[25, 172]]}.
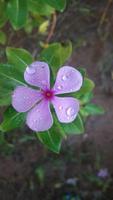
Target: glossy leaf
{"points": [[10, 77], [19, 57], [40, 7], [5, 96], [57, 4], [88, 86], [53, 137], [17, 13], [56, 55], [3, 16], [12, 120], [76, 127], [43, 27], [86, 98], [93, 109]]}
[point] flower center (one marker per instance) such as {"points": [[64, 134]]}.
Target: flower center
{"points": [[48, 94]]}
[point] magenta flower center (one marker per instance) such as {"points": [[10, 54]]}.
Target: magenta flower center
{"points": [[48, 94]]}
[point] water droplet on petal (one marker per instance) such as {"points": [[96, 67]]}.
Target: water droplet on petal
{"points": [[71, 90], [30, 70], [70, 112], [59, 87], [65, 77], [60, 108]]}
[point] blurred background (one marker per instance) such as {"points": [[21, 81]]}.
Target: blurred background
{"points": [[84, 168]]}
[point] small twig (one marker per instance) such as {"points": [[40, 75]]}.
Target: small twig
{"points": [[104, 13], [52, 28]]}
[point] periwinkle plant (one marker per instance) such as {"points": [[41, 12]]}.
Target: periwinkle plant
{"points": [[37, 102]]}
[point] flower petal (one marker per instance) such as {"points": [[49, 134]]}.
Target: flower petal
{"points": [[66, 108], [24, 98], [68, 80], [38, 74], [40, 118]]}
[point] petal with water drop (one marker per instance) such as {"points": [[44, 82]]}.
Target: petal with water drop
{"points": [[39, 118], [68, 80], [38, 74], [24, 98], [66, 108]]}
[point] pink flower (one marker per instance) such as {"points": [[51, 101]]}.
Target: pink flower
{"points": [[37, 102], [103, 173]]}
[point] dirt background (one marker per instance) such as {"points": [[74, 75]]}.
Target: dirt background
{"points": [[31, 172]]}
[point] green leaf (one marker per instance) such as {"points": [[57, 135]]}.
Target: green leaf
{"points": [[53, 137], [43, 27], [3, 17], [12, 120], [82, 71], [2, 38], [84, 113], [57, 4], [51, 140], [88, 86], [86, 98], [40, 7], [10, 77], [56, 55], [93, 109], [76, 127], [19, 57], [5, 96], [17, 12]]}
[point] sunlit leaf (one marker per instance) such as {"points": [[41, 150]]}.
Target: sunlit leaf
{"points": [[43, 27]]}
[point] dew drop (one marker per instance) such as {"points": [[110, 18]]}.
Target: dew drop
{"points": [[24, 97], [70, 112], [65, 77], [59, 87], [37, 110], [30, 70], [71, 90], [60, 108]]}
